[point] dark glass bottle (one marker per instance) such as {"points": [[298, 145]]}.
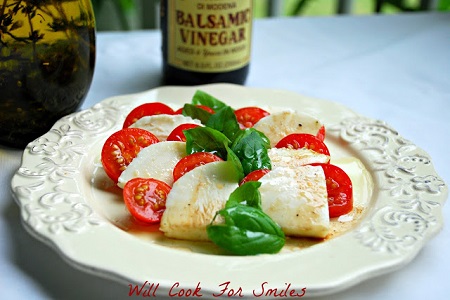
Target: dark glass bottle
{"points": [[47, 58], [206, 41]]}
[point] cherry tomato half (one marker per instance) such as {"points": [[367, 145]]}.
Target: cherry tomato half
{"points": [[204, 107], [321, 133], [147, 109], [145, 198], [122, 147], [177, 133], [254, 175], [339, 189], [248, 116], [303, 140], [192, 161]]}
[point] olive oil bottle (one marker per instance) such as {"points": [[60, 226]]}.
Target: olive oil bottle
{"points": [[47, 58], [206, 41]]}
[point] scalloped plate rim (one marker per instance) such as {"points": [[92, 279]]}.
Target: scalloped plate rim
{"points": [[390, 263]]}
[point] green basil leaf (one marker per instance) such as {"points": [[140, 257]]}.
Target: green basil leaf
{"points": [[237, 241], [247, 194], [231, 156], [251, 218], [264, 139], [196, 113], [205, 139], [247, 231], [251, 149], [224, 120], [203, 98]]}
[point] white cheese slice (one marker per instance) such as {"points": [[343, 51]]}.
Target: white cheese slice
{"points": [[280, 124], [195, 198], [296, 199], [155, 161], [162, 125], [285, 157]]}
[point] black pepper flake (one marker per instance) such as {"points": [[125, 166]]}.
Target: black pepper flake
{"points": [[300, 125]]}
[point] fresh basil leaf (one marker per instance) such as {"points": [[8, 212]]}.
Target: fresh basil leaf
{"points": [[251, 218], [205, 139], [224, 120], [251, 149], [247, 231], [237, 241], [203, 98], [247, 194], [264, 138], [196, 113], [231, 156]]}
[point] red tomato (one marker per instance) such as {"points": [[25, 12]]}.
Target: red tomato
{"points": [[321, 133], [192, 161], [254, 175], [147, 109], [303, 140], [122, 147], [145, 198], [204, 107], [177, 133], [248, 116], [339, 189]]}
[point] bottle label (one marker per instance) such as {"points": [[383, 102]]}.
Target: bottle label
{"points": [[209, 35]]}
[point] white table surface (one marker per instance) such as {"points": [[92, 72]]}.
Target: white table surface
{"points": [[393, 68]]}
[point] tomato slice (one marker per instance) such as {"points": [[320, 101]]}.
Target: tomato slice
{"points": [[204, 107], [122, 147], [192, 161], [303, 140], [254, 175], [145, 198], [339, 189], [321, 133], [177, 133], [147, 109], [248, 116]]}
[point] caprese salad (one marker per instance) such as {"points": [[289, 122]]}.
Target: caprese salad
{"points": [[242, 178]]}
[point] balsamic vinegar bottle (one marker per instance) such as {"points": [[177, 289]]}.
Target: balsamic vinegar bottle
{"points": [[206, 41]]}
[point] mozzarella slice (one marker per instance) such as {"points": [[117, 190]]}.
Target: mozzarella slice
{"points": [[195, 198], [296, 198], [280, 124], [162, 125], [293, 158], [155, 161]]}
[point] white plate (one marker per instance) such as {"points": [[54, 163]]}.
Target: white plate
{"points": [[67, 202]]}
